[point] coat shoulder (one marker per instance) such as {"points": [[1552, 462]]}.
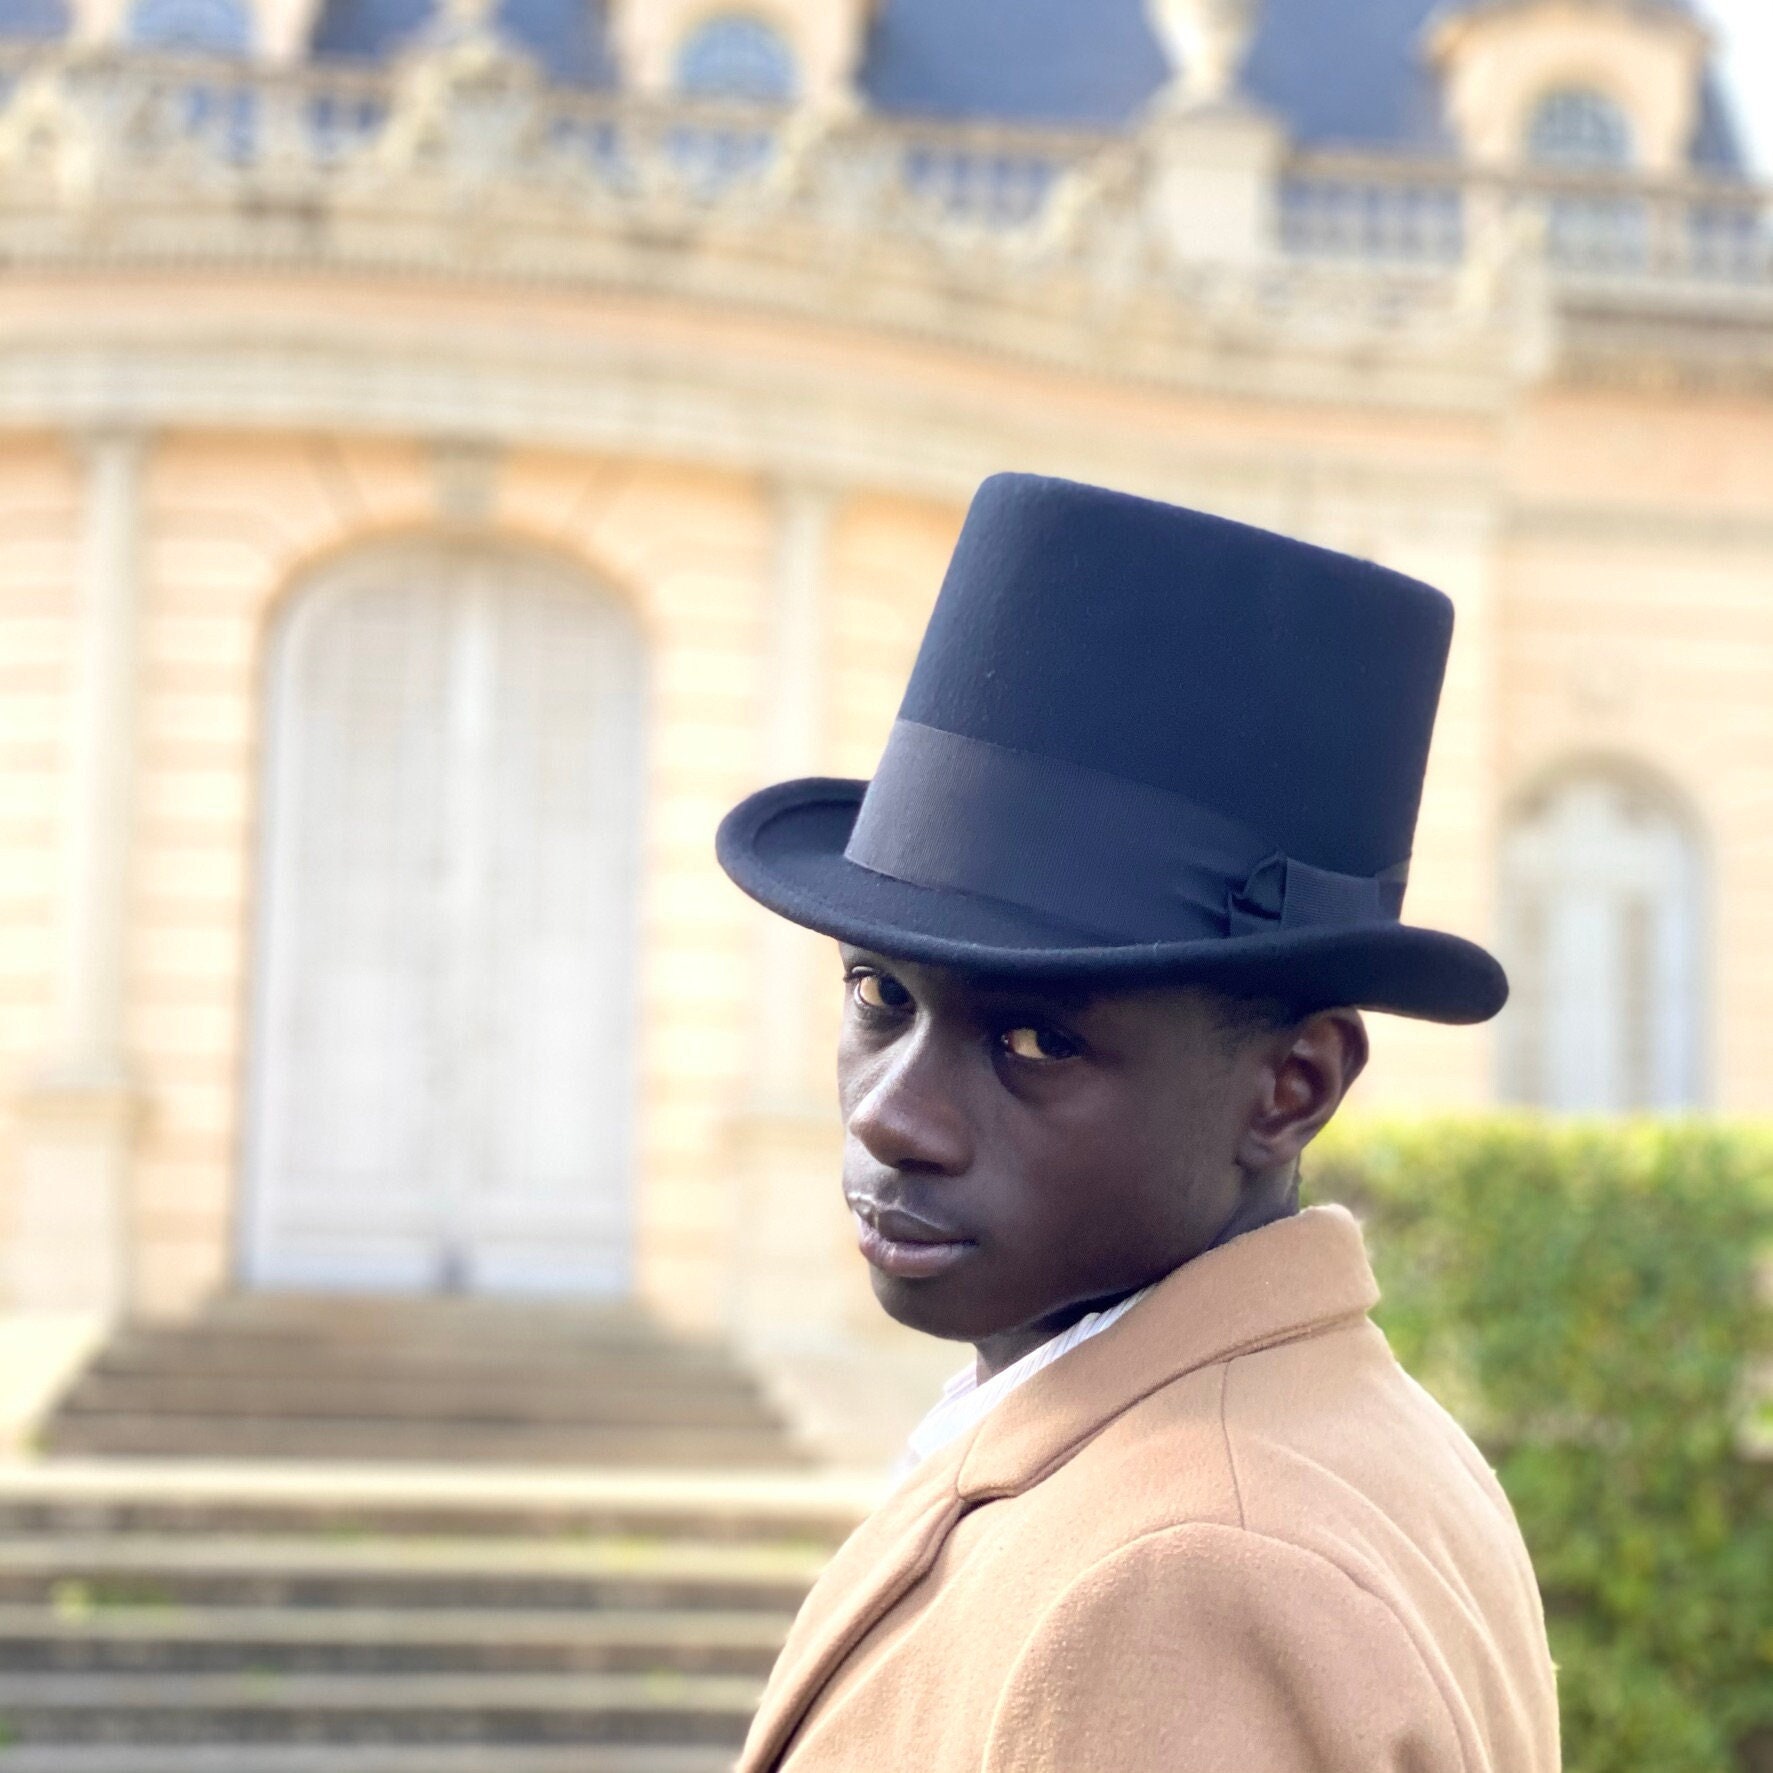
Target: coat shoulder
{"points": [[1288, 1663], [1320, 1458], [1332, 1446], [1335, 1450]]}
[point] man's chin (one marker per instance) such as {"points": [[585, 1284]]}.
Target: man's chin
{"points": [[943, 1307]]}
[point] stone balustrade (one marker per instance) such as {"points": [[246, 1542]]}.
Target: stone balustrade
{"points": [[131, 157], [1705, 233]]}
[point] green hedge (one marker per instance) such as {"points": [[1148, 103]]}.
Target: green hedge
{"points": [[1592, 1302]]}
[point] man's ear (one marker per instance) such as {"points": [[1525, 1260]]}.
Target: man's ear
{"points": [[1306, 1072]]}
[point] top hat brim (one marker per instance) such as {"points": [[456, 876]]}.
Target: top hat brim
{"points": [[785, 847]]}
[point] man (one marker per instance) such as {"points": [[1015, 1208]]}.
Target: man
{"points": [[1131, 865]]}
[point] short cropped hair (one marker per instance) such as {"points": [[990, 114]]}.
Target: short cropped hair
{"points": [[1246, 1016]]}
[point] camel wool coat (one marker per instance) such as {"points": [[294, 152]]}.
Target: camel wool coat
{"points": [[1227, 1535]]}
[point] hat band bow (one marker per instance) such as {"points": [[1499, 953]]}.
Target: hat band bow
{"points": [[1283, 893]]}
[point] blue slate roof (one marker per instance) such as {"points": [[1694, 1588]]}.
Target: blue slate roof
{"points": [[567, 37], [1083, 62], [1346, 73], [1383, 93], [1718, 145], [368, 30], [33, 18]]}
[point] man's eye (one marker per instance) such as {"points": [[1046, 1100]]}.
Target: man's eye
{"points": [[1034, 1042], [875, 991]]}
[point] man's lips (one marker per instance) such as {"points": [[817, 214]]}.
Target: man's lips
{"points": [[906, 1244]]}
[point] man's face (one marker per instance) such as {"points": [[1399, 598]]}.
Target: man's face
{"points": [[1014, 1153]]}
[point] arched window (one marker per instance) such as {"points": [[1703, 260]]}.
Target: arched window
{"points": [[216, 27], [1577, 129], [736, 56], [1602, 897]]}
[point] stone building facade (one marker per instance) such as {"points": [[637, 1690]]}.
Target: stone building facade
{"points": [[446, 459]]}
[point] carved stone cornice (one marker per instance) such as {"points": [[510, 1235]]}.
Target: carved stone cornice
{"points": [[609, 392], [1665, 348]]}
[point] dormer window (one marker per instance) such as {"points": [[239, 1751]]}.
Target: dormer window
{"points": [[1577, 129], [736, 56], [1561, 86], [780, 53]]}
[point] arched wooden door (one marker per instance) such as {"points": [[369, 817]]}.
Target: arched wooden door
{"points": [[442, 1070]]}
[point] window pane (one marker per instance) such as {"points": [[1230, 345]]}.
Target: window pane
{"points": [[1579, 129], [1601, 926], [738, 58], [1638, 965]]}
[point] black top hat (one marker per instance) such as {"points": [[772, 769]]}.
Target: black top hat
{"points": [[1141, 742]]}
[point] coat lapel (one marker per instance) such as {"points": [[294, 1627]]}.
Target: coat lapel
{"points": [[1290, 1279], [880, 1562]]}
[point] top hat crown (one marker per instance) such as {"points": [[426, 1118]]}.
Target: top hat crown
{"points": [[1141, 741]]}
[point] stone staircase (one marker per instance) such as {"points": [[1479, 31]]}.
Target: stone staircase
{"points": [[270, 1376], [158, 1618]]}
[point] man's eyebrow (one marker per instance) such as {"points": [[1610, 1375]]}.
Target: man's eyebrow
{"points": [[1055, 994]]}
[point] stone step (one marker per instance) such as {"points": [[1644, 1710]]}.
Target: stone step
{"points": [[375, 1315], [73, 1635], [435, 1380], [225, 1344], [83, 1498], [709, 1447], [415, 1346], [108, 1573], [514, 1399], [289, 1618], [382, 1757], [153, 1709], [418, 1364]]}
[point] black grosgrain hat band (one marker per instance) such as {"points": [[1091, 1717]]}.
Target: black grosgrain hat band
{"points": [[1117, 859]]}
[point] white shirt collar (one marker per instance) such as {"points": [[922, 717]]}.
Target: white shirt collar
{"points": [[966, 1401]]}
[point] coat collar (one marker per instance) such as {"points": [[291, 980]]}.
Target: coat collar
{"points": [[1285, 1281], [1274, 1285]]}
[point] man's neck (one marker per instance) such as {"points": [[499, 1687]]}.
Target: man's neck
{"points": [[1273, 1199], [995, 1353], [1276, 1198]]}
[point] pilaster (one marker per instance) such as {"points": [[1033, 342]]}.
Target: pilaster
{"points": [[793, 746], [78, 1117], [786, 1140], [1457, 548]]}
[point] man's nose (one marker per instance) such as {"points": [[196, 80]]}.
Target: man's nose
{"points": [[911, 1116]]}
